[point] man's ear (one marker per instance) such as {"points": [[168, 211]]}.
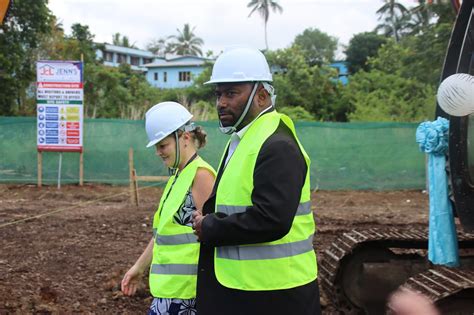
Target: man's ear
{"points": [[262, 96]]}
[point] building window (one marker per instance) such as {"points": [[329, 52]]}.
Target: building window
{"points": [[165, 76], [108, 56], [147, 60], [121, 58], [135, 61], [184, 76], [156, 76]]}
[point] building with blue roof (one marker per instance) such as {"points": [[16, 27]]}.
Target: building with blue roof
{"points": [[113, 56], [175, 72]]}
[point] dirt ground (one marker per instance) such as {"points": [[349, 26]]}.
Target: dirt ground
{"points": [[72, 260]]}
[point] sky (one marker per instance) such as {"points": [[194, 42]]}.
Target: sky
{"points": [[220, 23]]}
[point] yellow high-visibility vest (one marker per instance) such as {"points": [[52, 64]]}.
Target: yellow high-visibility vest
{"points": [[173, 271], [282, 264]]}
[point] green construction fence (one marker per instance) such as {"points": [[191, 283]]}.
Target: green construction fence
{"points": [[344, 156]]}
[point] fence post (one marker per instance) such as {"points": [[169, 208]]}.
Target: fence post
{"points": [[133, 179], [40, 168]]}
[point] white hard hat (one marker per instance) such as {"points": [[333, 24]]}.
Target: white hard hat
{"points": [[456, 94], [240, 65], [163, 119]]}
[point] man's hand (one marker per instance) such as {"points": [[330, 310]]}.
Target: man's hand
{"points": [[410, 303], [197, 223]]}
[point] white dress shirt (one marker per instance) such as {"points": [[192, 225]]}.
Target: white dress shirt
{"points": [[237, 136]]}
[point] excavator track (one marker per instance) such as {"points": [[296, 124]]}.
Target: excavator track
{"points": [[440, 284], [337, 265]]}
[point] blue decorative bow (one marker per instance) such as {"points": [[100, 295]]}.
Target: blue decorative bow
{"points": [[432, 138]]}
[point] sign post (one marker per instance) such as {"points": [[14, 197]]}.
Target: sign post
{"points": [[60, 109]]}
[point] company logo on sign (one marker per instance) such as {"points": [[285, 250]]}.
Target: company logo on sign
{"points": [[58, 72], [46, 70]]}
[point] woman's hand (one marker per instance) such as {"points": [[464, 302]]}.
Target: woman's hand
{"points": [[130, 281]]}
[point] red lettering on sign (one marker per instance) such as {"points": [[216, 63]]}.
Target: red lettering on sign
{"points": [[73, 133], [72, 140], [72, 125]]}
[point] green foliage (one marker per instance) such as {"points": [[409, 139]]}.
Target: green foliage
{"points": [[401, 79], [20, 35], [186, 42], [200, 91], [381, 96], [419, 57], [85, 43], [203, 110], [361, 47], [120, 92], [296, 113], [317, 47], [312, 87], [158, 46], [121, 40]]}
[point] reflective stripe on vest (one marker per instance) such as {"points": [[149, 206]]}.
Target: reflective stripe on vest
{"points": [[253, 252], [173, 269], [303, 208], [177, 239]]}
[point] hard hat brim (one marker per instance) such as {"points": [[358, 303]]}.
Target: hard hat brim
{"points": [[152, 143], [237, 80], [155, 141]]}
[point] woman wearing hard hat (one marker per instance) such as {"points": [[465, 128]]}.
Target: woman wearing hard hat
{"points": [[172, 253]]}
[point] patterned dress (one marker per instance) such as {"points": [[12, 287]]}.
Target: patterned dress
{"points": [[170, 306]]}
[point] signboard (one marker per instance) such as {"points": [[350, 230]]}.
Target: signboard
{"points": [[59, 100]]}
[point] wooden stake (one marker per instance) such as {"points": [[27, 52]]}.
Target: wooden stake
{"points": [[135, 187], [131, 177], [81, 169], [40, 168]]}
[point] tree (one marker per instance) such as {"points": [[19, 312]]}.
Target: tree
{"points": [[317, 47], [426, 14], [119, 40], [315, 88], [85, 42], [361, 47], [263, 7], [186, 42], [158, 46], [20, 34], [380, 96], [420, 57], [393, 15]]}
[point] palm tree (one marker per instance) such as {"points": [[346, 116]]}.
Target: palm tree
{"points": [[393, 14], [119, 40], [263, 7], [186, 42], [421, 16], [158, 46]]}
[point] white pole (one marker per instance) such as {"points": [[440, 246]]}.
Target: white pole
{"points": [[59, 170]]}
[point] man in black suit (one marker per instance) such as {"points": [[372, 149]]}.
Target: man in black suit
{"points": [[256, 229]]}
